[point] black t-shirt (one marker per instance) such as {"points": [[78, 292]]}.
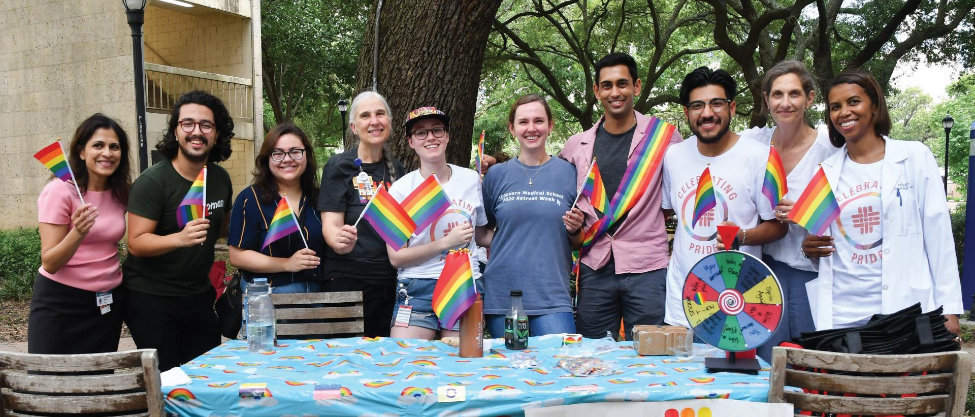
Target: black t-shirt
{"points": [[156, 195], [611, 152], [342, 192]]}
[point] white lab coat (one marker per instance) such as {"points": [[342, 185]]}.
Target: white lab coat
{"points": [[919, 263]]}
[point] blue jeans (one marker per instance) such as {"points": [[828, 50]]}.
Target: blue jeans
{"points": [[537, 325], [418, 293]]}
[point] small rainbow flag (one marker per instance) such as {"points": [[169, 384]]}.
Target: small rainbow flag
{"points": [[282, 224], [389, 219], [774, 187], [816, 208], [479, 156], [192, 206], [594, 189], [52, 156], [704, 200], [454, 292], [426, 203]]}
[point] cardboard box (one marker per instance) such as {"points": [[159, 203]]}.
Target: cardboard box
{"points": [[649, 340]]}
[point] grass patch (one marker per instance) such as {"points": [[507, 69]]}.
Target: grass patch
{"points": [[20, 257]]}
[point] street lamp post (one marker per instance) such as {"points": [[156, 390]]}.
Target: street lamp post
{"points": [[947, 122], [968, 273], [343, 107], [136, 9]]}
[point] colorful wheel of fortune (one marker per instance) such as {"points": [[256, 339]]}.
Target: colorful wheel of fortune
{"points": [[732, 301]]}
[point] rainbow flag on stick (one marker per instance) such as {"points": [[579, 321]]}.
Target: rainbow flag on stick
{"points": [[193, 205], [774, 188], [282, 224], [479, 156], [426, 203], [704, 200], [594, 190], [816, 208], [389, 219], [52, 156], [455, 290]]}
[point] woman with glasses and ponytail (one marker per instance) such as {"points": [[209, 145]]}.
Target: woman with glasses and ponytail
{"points": [[284, 168]]}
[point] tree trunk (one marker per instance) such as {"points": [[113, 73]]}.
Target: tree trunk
{"points": [[430, 54]]}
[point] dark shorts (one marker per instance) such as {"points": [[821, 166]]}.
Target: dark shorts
{"points": [[66, 320], [179, 327], [419, 293], [606, 297]]}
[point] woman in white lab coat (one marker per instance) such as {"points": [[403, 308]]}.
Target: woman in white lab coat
{"points": [[892, 245]]}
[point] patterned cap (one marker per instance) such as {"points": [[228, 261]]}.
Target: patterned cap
{"points": [[423, 113]]}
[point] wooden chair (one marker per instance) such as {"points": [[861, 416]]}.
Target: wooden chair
{"points": [[942, 390], [117, 383], [318, 314]]}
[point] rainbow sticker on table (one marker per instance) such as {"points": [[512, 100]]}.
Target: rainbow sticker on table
{"points": [[254, 390], [732, 301]]}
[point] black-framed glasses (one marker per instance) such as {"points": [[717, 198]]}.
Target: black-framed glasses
{"points": [[188, 125], [421, 134], [716, 104], [294, 154]]}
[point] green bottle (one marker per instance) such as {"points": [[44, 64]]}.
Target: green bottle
{"points": [[516, 324]]}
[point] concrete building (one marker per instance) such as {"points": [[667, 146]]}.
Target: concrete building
{"points": [[63, 60]]}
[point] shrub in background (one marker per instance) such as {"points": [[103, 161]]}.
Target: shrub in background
{"points": [[958, 232], [20, 257]]}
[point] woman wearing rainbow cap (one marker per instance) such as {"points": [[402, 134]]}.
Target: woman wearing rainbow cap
{"points": [[422, 260]]}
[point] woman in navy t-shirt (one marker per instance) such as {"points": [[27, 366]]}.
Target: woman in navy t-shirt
{"points": [[285, 166]]}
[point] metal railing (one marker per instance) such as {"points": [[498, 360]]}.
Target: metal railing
{"points": [[165, 84]]}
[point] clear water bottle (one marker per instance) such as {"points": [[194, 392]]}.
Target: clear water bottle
{"points": [[260, 316], [516, 324]]}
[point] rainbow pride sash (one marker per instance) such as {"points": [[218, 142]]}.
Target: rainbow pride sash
{"points": [[640, 171]]}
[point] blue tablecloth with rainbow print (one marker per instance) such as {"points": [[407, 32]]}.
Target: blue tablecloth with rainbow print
{"points": [[387, 377]]}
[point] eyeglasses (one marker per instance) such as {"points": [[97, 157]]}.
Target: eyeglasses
{"points": [[421, 134], [294, 154], [188, 125], [716, 104]]}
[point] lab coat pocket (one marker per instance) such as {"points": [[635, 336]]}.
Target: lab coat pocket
{"points": [[904, 212]]}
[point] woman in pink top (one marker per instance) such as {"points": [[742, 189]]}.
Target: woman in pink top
{"points": [[73, 309]]}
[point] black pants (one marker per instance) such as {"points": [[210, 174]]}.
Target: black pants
{"points": [[180, 328], [66, 320], [377, 302]]}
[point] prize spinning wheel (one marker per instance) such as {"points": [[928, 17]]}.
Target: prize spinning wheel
{"points": [[732, 301]]}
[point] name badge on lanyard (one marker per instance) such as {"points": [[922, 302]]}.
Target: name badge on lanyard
{"points": [[104, 300]]}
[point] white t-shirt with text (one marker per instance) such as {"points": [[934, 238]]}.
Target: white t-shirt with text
{"points": [[737, 176], [464, 191]]}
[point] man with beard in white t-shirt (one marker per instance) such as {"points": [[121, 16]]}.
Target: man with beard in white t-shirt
{"points": [[737, 169]]}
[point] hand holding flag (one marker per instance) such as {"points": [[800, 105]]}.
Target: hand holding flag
{"points": [[816, 208], [193, 205]]}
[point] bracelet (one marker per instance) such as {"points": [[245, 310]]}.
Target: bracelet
{"points": [[743, 234], [576, 233]]}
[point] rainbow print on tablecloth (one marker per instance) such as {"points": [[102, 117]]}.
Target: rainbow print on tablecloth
{"points": [[816, 208], [454, 292], [426, 203], [774, 187], [282, 224], [415, 392], [180, 394], [193, 205], [388, 218], [704, 200]]}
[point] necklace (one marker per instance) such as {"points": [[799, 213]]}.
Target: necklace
{"points": [[532, 176]]}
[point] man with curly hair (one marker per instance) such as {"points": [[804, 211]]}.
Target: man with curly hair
{"points": [[170, 300]]}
